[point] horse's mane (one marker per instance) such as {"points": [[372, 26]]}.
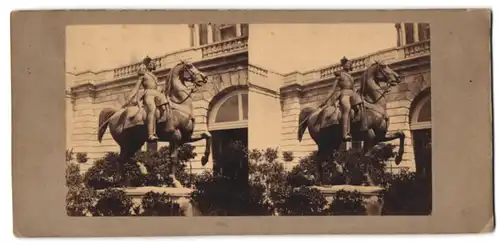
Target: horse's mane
{"points": [[364, 78]]}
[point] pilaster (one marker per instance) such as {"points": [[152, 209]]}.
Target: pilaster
{"points": [[238, 30], [290, 105], [415, 32], [210, 35], [196, 35]]}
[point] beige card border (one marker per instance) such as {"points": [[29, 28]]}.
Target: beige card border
{"points": [[462, 127]]}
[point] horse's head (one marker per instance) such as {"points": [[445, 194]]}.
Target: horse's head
{"points": [[191, 74], [384, 73]]}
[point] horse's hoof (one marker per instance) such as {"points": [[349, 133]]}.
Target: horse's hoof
{"points": [[204, 160], [398, 160]]}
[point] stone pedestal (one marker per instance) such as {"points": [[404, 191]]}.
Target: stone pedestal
{"points": [[179, 195], [371, 195]]}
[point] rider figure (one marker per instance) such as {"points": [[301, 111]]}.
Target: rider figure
{"points": [[152, 97], [348, 99]]}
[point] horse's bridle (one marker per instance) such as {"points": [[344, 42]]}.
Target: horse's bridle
{"points": [[193, 76], [386, 89]]}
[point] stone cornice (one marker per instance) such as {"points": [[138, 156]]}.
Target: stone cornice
{"points": [[263, 90], [83, 90], [293, 89]]}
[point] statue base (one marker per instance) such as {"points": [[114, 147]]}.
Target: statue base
{"points": [[372, 201], [179, 195]]}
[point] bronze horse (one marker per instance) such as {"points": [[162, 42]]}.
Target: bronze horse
{"points": [[127, 125], [324, 123]]}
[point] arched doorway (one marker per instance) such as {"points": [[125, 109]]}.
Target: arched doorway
{"points": [[421, 129], [228, 124]]}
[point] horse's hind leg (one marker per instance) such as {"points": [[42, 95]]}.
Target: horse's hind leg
{"points": [[124, 158], [127, 151], [321, 157], [324, 154]]}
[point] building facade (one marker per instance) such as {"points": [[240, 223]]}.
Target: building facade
{"points": [[255, 106]]}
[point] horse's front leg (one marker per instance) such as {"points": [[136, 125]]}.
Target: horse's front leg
{"points": [[397, 135], [208, 144]]}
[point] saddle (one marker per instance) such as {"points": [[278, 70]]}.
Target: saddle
{"points": [[331, 115], [136, 116]]}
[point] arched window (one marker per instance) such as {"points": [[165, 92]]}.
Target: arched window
{"points": [[231, 112], [421, 116]]}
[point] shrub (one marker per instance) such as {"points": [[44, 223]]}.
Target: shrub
{"points": [[156, 204], [306, 173], [79, 201], [407, 194], [266, 170], [347, 203], [303, 201], [69, 155], [219, 195], [105, 173], [73, 176], [81, 157], [288, 156], [112, 202]]}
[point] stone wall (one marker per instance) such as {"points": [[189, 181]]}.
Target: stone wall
{"points": [[264, 112]]}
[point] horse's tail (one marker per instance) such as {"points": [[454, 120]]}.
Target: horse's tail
{"points": [[104, 117], [303, 117]]}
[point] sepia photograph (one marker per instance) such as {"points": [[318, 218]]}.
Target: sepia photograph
{"points": [[248, 119], [251, 123]]}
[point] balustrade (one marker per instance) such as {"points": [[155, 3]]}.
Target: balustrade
{"points": [[224, 47], [417, 49]]}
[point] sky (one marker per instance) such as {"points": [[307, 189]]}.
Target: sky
{"points": [[102, 47], [286, 48]]}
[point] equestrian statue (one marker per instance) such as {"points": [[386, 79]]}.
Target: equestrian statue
{"points": [[167, 116], [349, 115]]}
